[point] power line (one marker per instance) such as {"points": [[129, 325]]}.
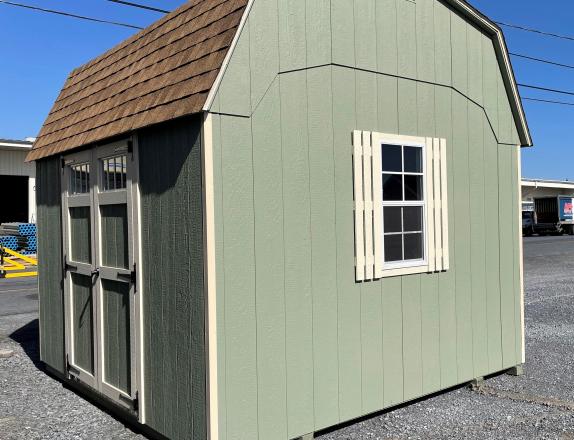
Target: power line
{"points": [[548, 101], [137, 5], [67, 14], [541, 60], [545, 89], [536, 31]]}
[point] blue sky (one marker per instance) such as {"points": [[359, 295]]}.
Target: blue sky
{"points": [[38, 50]]}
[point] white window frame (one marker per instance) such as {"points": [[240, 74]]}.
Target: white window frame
{"points": [[405, 142], [369, 221]]}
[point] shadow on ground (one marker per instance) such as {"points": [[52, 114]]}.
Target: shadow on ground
{"points": [[28, 337]]}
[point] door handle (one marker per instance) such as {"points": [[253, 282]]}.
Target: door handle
{"points": [[96, 272]]}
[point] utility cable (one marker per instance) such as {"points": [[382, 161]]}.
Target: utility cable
{"points": [[541, 60], [536, 31], [67, 14], [548, 101], [545, 89], [140, 6]]}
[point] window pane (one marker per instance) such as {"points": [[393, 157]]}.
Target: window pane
{"points": [[413, 218], [413, 188], [393, 248], [392, 158], [392, 187], [392, 216], [413, 246], [413, 160], [114, 170], [79, 179]]}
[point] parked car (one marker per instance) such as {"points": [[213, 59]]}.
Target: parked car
{"points": [[527, 223]]}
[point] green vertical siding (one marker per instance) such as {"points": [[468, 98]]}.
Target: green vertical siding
{"points": [[80, 234], [82, 322], [51, 295], [348, 303], [172, 268], [114, 225], [284, 215], [298, 253], [324, 248], [116, 337], [270, 278]]}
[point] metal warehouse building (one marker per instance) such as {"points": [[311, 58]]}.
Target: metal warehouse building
{"points": [[260, 218], [18, 182]]}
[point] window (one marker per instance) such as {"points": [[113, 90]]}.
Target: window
{"points": [[114, 173], [401, 212], [80, 178], [403, 203]]}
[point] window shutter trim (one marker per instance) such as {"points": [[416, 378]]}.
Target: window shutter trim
{"points": [[430, 239], [437, 204], [444, 205], [368, 194], [377, 205], [368, 206], [359, 206]]}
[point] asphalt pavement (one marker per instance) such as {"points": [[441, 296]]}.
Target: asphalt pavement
{"points": [[538, 405], [18, 295]]}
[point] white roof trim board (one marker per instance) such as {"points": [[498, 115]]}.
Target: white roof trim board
{"points": [[468, 12]]}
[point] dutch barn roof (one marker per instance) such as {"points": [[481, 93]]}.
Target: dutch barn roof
{"points": [[163, 72], [168, 70]]}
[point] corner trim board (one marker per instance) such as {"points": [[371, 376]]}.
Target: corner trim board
{"points": [[521, 254], [209, 278]]}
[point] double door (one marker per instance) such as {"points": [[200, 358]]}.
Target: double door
{"points": [[100, 271]]}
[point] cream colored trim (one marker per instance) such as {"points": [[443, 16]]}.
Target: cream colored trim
{"points": [[138, 258], [359, 205], [429, 204], [368, 198], [377, 207], [210, 277], [438, 218], [214, 89], [405, 271], [521, 255], [444, 204]]}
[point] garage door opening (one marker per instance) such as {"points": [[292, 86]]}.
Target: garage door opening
{"points": [[14, 199]]}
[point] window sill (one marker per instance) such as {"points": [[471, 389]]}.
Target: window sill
{"points": [[398, 271]]}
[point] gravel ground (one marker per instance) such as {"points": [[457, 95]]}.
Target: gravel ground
{"points": [[538, 405]]}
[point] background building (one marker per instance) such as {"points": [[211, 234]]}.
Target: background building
{"points": [[533, 188], [17, 182]]}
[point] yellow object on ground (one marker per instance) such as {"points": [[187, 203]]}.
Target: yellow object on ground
{"points": [[16, 265]]}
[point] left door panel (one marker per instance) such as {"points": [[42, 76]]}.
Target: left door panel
{"points": [[79, 268]]}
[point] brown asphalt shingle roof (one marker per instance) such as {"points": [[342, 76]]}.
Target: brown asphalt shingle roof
{"points": [[163, 72]]}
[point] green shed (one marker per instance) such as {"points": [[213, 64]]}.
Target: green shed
{"points": [[262, 218]]}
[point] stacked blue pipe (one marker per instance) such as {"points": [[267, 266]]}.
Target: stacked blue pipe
{"points": [[20, 237]]}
